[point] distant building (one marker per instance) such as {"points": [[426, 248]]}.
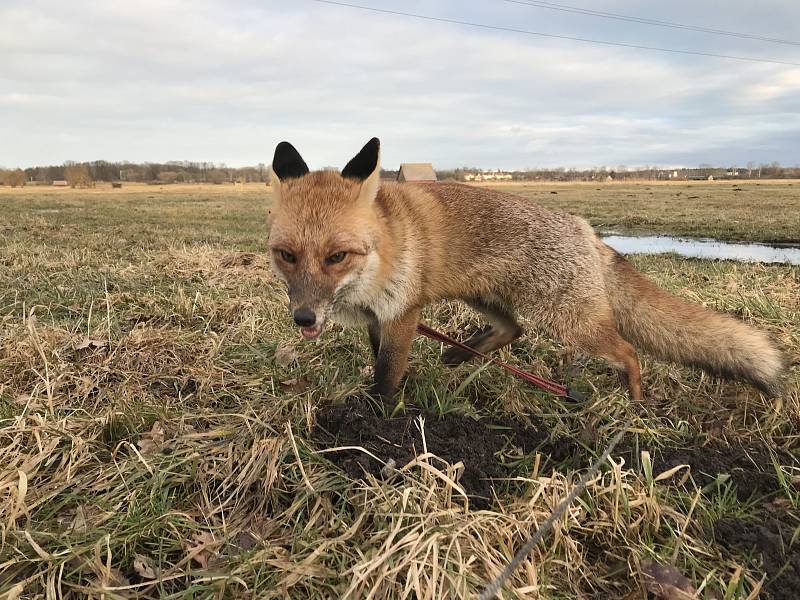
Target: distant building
{"points": [[60, 183], [496, 175], [416, 172]]}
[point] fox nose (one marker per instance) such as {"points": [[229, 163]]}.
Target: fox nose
{"points": [[304, 317]]}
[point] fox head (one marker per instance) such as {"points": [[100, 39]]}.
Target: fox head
{"points": [[324, 233]]}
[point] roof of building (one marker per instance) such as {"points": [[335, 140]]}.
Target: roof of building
{"points": [[416, 172]]}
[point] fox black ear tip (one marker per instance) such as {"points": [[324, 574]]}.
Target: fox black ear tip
{"points": [[287, 162]]}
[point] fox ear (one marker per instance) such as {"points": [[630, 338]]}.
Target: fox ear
{"points": [[287, 162], [365, 162], [366, 167]]}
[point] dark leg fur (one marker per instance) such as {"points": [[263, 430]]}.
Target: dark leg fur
{"points": [[503, 330], [456, 356], [395, 344], [374, 331]]}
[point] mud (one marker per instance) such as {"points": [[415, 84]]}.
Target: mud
{"points": [[769, 543], [482, 444], [452, 437], [750, 467], [764, 544]]}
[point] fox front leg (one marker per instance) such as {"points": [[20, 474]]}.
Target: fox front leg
{"points": [[392, 360], [374, 331]]}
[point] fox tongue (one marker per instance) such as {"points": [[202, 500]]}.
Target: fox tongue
{"points": [[311, 333]]}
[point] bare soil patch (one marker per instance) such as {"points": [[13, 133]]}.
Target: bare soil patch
{"points": [[478, 444], [750, 467], [488, 446], [771, 542]]}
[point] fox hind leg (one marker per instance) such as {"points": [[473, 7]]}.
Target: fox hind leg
{"points": [[606, 342], [456, 356], [501, 331], [622, 355]]}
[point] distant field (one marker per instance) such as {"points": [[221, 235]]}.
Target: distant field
{"points": [[766, 210], [164, 433]]}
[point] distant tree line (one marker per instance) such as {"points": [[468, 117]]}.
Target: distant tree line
{"points": [[622, 172], [100, 170], [84, 174], [12, 178], [78, 176]]}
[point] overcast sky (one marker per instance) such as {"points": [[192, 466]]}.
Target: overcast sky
{"points": [[225, 80]]}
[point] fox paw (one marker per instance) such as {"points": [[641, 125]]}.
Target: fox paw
{"points": [[380, 392], [455, 356]]}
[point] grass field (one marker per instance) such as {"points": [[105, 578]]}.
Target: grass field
{"points": [[164, 433], [742, 210]]}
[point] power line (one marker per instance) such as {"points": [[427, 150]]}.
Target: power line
{"points": [[553, 35], [647, 21]]}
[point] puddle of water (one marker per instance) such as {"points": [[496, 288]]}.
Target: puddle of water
{"points": [[704, 248]]}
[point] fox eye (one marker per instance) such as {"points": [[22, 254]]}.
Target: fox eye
{"points": [[336, 257], [288, 256]]}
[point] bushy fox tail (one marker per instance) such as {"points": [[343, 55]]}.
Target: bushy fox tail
{"points": [[669, 328]]}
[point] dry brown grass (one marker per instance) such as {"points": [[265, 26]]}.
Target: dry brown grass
{"points": [[157, 409]]}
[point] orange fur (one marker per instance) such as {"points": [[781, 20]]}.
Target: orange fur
{"points": [[410, 245]]}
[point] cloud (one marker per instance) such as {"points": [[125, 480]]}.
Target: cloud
{"points": [[225, 81]]}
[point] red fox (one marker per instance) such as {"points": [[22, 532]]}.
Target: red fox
{"points": [[363, 252]]}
